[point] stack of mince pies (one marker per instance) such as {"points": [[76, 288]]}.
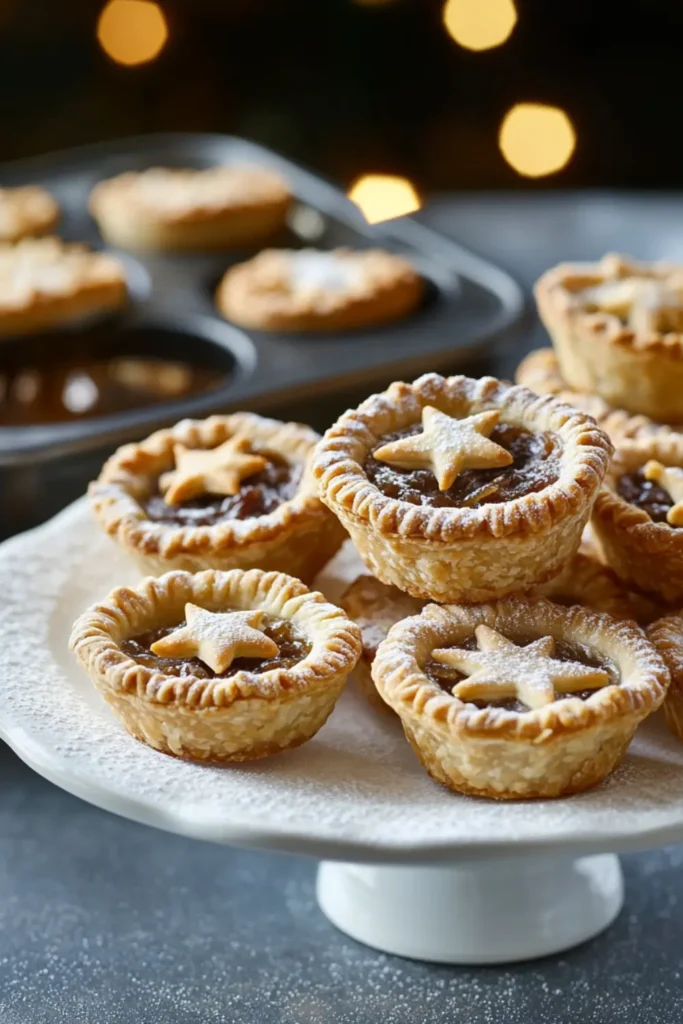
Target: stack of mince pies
{"points": [[486, 622]]}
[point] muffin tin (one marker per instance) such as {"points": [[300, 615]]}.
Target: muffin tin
{"points": [[172, 314]]}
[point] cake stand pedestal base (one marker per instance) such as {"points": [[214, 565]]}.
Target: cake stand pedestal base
{"points": [[494, 911]]}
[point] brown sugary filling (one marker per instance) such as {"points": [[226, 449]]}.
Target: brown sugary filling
{"points": [[646, 495], [535, 465], [259, 494], [447, 677], [293, 647]]}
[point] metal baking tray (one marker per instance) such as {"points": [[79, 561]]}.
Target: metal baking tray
{"points": [[468, 301]]}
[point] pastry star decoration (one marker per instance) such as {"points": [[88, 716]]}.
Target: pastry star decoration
{"points": [[210, 471], [217, 638], [501, 669], [670, 478], [447, 446]]}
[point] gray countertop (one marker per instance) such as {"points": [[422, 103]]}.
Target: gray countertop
{"points": [[106, 922]]}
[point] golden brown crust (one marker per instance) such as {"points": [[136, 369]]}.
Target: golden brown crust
{"points": [[375, 608], [560, 748], [283, 290], [631, 366], [26, 212], [237, 718], [44, 282], [454, 553], [173, 208], [647, 556], [540, 372], [586, 582], [299, 537], [667, 636]]}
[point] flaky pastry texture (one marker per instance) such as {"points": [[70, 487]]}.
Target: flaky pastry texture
{"points": [[632, 357], [298, 537], [646, 555], [562, 748], [239, 718], [462, 554]]}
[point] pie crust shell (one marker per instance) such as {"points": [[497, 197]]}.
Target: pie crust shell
{"points": [[562, 748], [298, 537], [90, 283], [26, 212], [646, 555], [667, 636], [376, 607], [239, 718], [456, 554], [251, 205], [540, 372], [640, 371], [257, 294]]}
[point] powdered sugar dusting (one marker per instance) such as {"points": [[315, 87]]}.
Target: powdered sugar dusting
{"points": [[355, 789]]}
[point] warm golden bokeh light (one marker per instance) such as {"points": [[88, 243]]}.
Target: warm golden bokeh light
{"points": [[536, 139], [479, 24], [383, 196], [132, 31]]}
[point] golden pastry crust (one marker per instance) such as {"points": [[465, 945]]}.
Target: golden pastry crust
{"points": [[44, 282], [298, 537], [646, 555], [172, 208], [540, 372], [667, 636], [239, 718], [586, 582], [617, 328], [561, 748], [462, 554], [26, 212], [309, 290], [375, 608]]}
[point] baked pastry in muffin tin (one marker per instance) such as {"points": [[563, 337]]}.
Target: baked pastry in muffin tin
{"points": [[311, 290], [183, 209]]}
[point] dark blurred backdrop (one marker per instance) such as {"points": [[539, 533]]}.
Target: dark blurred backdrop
{"points": [[350, 87]]}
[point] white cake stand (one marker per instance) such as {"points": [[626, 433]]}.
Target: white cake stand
{"points": [[408, 867]]}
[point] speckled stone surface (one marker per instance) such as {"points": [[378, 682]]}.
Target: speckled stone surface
{"points": [[106, 922]]}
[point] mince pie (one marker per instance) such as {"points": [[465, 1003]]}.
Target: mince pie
{"points": [[177, 208], [540, 372], [456, 489], [617, 328], [376, 607], [218, 666], [26, 212], [45, 282], [638, 516], [310, 290], [667, 636], [521, 698], [222, 493]]}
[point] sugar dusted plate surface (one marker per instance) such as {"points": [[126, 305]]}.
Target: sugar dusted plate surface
{"points": [[356, 791]]}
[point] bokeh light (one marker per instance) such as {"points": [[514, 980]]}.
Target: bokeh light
{"points": [[132, 31], [536, 139], [479, 24], [383, 196]]}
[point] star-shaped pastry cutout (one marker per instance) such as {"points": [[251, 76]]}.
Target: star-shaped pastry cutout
{"points": [[447, 446], [217, 638], [210, 470], [501, 669], [670, 478]]}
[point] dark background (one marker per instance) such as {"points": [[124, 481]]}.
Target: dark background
{"points": [[348, 87]]}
